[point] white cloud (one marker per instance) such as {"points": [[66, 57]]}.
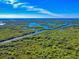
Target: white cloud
{"points": [[28, 7], [17, 5], [9, 1], [12, 1], [70, 15], [33, 8], [23, 16], [40, 10], [48, 12]]}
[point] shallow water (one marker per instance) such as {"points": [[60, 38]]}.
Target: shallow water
{"points": [[43, 23]]}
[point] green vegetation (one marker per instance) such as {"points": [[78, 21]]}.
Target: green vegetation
{"points": [[13, 31], [50, 44]]}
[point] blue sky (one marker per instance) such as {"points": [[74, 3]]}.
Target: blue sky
{"points": [[52, 8], [57, 6]]}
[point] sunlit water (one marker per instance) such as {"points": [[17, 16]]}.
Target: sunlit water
{"points": [[42, 23]]}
